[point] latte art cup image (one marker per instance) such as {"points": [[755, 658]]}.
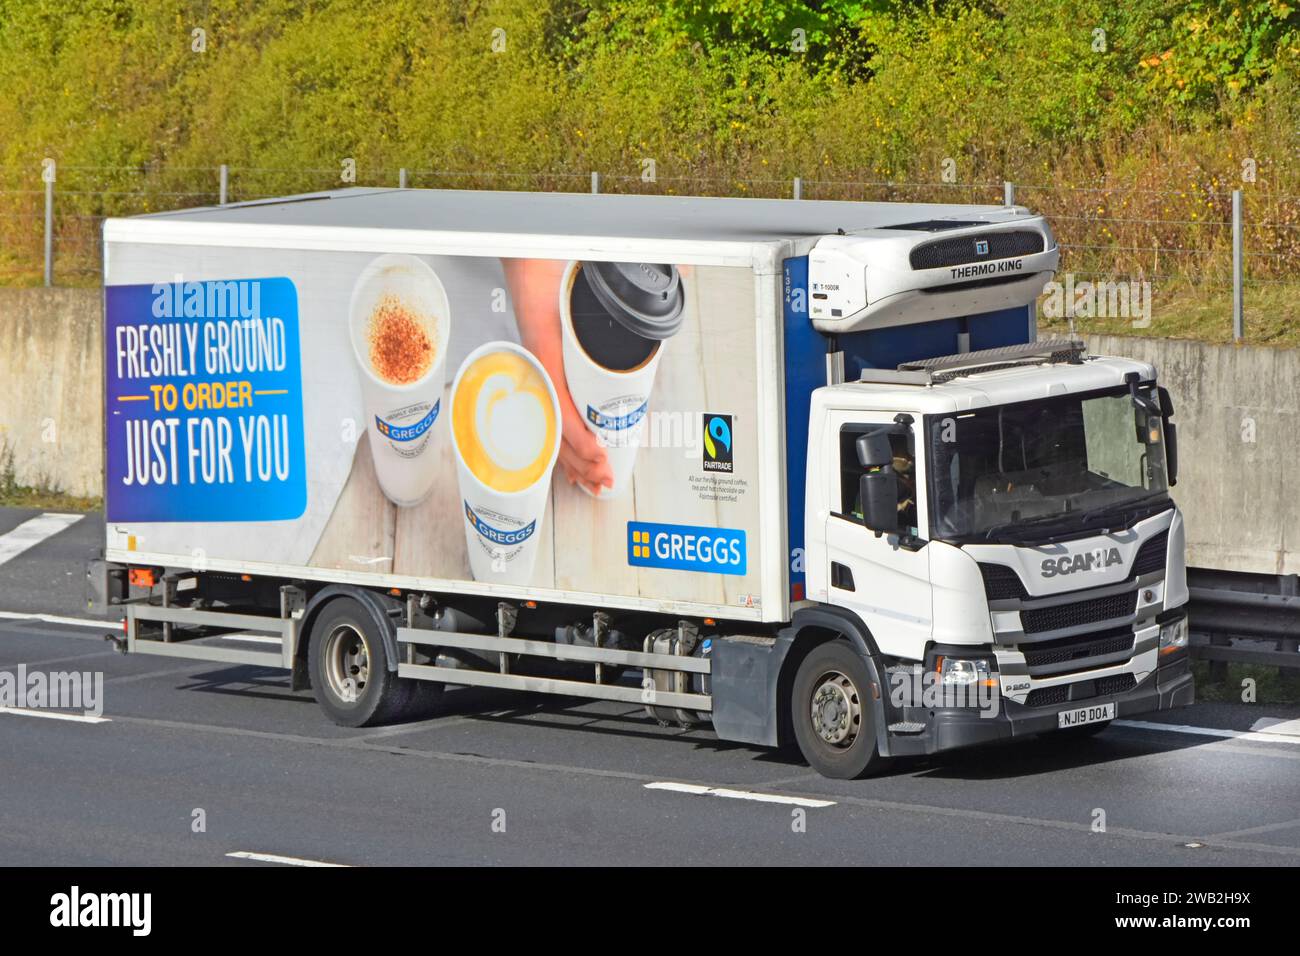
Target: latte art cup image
{"points": [[616, 318], [399, 322], [505, 429]]}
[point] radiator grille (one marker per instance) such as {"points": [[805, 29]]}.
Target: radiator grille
{"points": [[1080, 690], [1038, 620], [1001, 583], [1115, 684], [1151, 556], [1079, 649], [1046, 696], [960, 250]]}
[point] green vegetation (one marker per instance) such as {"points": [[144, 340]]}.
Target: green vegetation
{"points": [[1273, 685], [14, 495], [1128, 124]]}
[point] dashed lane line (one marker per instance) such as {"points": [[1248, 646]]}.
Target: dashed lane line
{"points": [[54, 715], [33, 531], [282, 860], [1271, 738], [703, 791]]}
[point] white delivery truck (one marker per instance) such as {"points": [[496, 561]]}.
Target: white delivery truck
{"points": [[798, 469]]}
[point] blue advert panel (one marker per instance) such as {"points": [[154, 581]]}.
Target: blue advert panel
{"points": [[204, 402]]}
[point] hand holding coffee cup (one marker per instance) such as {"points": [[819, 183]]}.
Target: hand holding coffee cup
{"points": [[505, 427], [399, 324], [615, 318]]}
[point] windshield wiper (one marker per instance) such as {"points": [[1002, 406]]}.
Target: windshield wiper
{"points": [[1122, 507], [1034, 521]]}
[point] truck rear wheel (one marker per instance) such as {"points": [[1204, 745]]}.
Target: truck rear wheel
{"points": [[833, 712], [348, 662]]}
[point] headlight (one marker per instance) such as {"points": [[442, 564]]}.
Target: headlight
{"points": [[1174, 636], [953, 671]]}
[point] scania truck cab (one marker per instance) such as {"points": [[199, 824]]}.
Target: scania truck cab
{"points": [[995, 523], [1001, 525]]}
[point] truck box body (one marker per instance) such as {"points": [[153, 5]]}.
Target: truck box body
{"points": [[261, 419]]}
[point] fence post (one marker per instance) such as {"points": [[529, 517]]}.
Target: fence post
{"points": [[225, 183], [1008, 193], [1238, 270], [798, 187], [47, 174], [401, 178], [595, 182]]}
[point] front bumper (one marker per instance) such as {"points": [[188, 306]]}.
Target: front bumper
{"points": [[950, 728]]}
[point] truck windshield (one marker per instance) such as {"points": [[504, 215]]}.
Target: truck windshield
{"points": [[1034, 469]]}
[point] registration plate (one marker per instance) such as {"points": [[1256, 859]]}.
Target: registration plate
{"points": [[1085, 715]]}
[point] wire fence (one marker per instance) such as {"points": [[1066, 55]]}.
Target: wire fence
{"points": [[1199, 237]]}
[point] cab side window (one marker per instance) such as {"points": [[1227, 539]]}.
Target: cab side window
{"points": [[904, 465]]}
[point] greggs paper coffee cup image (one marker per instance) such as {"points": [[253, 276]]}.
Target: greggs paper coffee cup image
{"points": [[399, 323], [616, 318], [505, 427]]}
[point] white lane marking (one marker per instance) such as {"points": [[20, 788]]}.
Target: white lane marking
{"points": [[55, 619], [1276, 725], [33, 531], [738, 794], [55, 715], [283, 860], [1207, 731], [252, 638]]}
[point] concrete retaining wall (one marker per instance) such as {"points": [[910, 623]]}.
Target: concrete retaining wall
{"points": [[51, 389], [1238, 415], [1238, 421]]}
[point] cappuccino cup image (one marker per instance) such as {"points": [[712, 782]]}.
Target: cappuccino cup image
{"points": [[615, 320], [399, 323], [505, 430]]}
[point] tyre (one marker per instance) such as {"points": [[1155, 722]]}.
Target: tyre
{"points": [[348, 662], [833, 713]]}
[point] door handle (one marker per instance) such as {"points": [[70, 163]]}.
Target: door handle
{"points": [[841, 577]]}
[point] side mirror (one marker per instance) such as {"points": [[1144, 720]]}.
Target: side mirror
{"points": [[1171, 453], [878, 492], [874, 450], [1171, 435], [1166, 402]]}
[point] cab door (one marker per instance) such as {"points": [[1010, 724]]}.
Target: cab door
{"points": [[885, 579]]}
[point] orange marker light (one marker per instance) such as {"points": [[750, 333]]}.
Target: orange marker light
{"points": [[141, 577]]}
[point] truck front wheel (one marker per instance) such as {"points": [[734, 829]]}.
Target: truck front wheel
{"points": [[833, 712], [349, 668]]}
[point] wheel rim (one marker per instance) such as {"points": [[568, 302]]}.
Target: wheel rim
{"points": [[836, 710], [347, 663]]}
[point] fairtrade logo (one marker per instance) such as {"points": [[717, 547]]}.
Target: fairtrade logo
{"points": [[1097, 560], [717, 443]]}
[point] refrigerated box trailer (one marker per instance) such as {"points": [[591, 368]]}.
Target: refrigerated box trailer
{"points": [[801, 470]]}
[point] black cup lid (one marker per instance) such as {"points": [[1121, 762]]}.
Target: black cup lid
{"points": [[645, 298]]}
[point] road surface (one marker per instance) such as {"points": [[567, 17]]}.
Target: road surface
{"points": [[200, 763]]}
